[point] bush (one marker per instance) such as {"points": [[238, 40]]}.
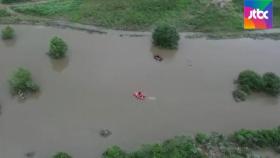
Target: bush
{"points": [[259, 138], [166, 37], [8, 33], [58, 48], [62, 155], [178, 147], [201, 138], [21, 81], [250, 81], [271, 84], [114, 152], [4, 13]]}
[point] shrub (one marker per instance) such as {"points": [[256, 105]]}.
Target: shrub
{"points": [[271, 84], [58, 48], [259, 138], [114, 152], [250, 81], [4, 13], [21, 81], [201, 138], [8, 33], [178, 147], [166, 37], [62, 155]]}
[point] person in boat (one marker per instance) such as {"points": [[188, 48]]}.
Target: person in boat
{"points": [[158, 58], [139, 95]]}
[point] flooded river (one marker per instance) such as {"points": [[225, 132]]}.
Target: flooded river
{"points": [[92, 90]]}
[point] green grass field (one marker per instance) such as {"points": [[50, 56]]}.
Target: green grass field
{"points": [[186, 15]]}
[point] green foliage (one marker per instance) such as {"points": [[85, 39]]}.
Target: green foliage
{"points": [[8, 33], [62, 155], [271, 84], [4, 13], [179, 147], [187, 15], [21, 81], [166, 36], [114, 152], [240, 144], [259, 138], [201, 138], [276, 13], [251, 80], [58, 48]]}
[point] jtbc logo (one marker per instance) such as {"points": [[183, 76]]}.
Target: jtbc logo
{"points": [[258, 14]]}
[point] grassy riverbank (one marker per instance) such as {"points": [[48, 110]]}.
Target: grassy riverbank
{"points": [[240, 144], [186, 15]]}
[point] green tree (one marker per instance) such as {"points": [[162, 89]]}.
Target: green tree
{"points": [[166, 36], [114, 152], [58, 48], [271, 84], [21, 81], [250, 80], [8, 33]]}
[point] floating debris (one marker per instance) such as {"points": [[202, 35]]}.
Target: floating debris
{"points": [[105, 133], [30, 154], [21, 95], [158, 58]]}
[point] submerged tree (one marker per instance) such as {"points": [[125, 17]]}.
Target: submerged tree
{"points": [[8, 33], [21, 82], [58, 48], [114, 152], [271, 84], [250, 80], [166, 36]]}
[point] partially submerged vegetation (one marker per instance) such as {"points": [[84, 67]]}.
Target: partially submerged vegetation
{"points": [[62, 155], [21, 82], [4, 13], [241, 144], [58, 48], [271, 84], [166, 36], [8, 33], [249, 81], [258, 139]]}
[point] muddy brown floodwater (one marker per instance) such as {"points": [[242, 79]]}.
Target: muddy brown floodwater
{"points": [[92, 90]]}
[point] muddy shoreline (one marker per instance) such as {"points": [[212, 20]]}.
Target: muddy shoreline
{"points": [[258, 34]]}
